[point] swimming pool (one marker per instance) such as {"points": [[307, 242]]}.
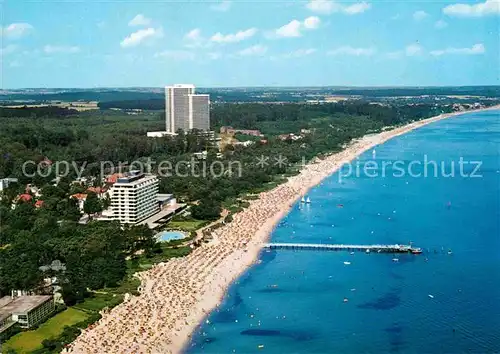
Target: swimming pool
{"points": [[166, 236]]}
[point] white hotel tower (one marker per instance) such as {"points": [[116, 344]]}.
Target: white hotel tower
{"points": [[184, 110]]}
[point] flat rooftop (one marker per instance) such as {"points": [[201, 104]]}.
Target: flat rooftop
{"points": [[21, 304]]}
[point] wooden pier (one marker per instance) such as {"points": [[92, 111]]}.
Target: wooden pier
{"points": [[332, 247]]}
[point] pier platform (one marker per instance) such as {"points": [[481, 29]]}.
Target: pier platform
{"points": [[331, 247]]}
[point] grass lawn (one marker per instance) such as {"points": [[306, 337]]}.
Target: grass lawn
{"points": [[190, 225], [26, 342], [99, 301]]}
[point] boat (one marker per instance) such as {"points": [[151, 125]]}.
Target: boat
{"points": [[352, 252], [450, 252], [302, 200], [431, 296], [416, 250], [346, 299], [340, 205], [395, 259], [308, 201], [368, 250], [347, 263], [260, 346]]}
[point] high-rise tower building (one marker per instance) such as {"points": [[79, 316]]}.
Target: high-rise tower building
{"points": [[185, 110]]}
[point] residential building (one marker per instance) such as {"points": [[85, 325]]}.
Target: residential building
{"points": [[231, 130], [199, 112], [133, 197], [80, 198], [5, 182], [27, 311], [184, 110], [178, 107]]}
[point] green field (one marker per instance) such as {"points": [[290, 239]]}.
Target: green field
{"points": [[188, 225], [26, 342]]}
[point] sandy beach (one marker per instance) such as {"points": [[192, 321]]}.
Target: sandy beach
{"points": [[177, 295]]}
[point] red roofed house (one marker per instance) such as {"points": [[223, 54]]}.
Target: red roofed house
{"points": [[39, 204], [97, 190], [113, 178], [46, 162], [24, 197], [80, 197]]}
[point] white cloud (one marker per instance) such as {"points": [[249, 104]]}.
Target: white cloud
{"points": [[140, 20], [300, 53], [53, 49], [223, 6], [420, 15], [330, 6], [140, 36], [312, 22], [474, 50], [9, 49], [194, 39], [348, 50], [440, 24], [489, 7], [176, 55], [410, 51], [357, 8], [294, 28], [236, 37], [291, 29], [323, 6], [256, 50], [16, 30], [193, 35], [413, 49]]}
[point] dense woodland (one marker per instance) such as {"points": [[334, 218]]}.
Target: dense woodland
{"points": [[95, 254]]}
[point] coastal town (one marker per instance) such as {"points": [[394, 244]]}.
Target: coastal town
{"points": [[155, 318]]}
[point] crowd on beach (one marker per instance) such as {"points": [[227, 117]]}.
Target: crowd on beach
{"points": [[176, 295]]}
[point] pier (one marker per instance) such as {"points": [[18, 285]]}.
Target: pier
{"points": [[331, 247]]}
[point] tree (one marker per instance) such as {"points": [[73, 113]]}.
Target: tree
{"points": [[206, 210], [92, 204]]}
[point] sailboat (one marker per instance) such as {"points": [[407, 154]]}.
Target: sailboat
{"points": [[302, 200], [374, 153], [308, 201]]}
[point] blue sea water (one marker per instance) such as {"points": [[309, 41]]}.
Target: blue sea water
{"points": [[293, 301]]}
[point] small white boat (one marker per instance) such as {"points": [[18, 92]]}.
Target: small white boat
{"points": [[352, 252], [395, 259], [368, 251], [431, 296], [346, 299], [347, 263], [261, 346], [303, 200], [308, 201]]}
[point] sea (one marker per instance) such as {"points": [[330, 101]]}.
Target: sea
{"points": [[445, 300]]}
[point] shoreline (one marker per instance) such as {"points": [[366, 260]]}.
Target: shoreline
{"points": [[179, 294]]}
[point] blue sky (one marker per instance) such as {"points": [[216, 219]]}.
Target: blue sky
{"points": [[249, 43]]}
